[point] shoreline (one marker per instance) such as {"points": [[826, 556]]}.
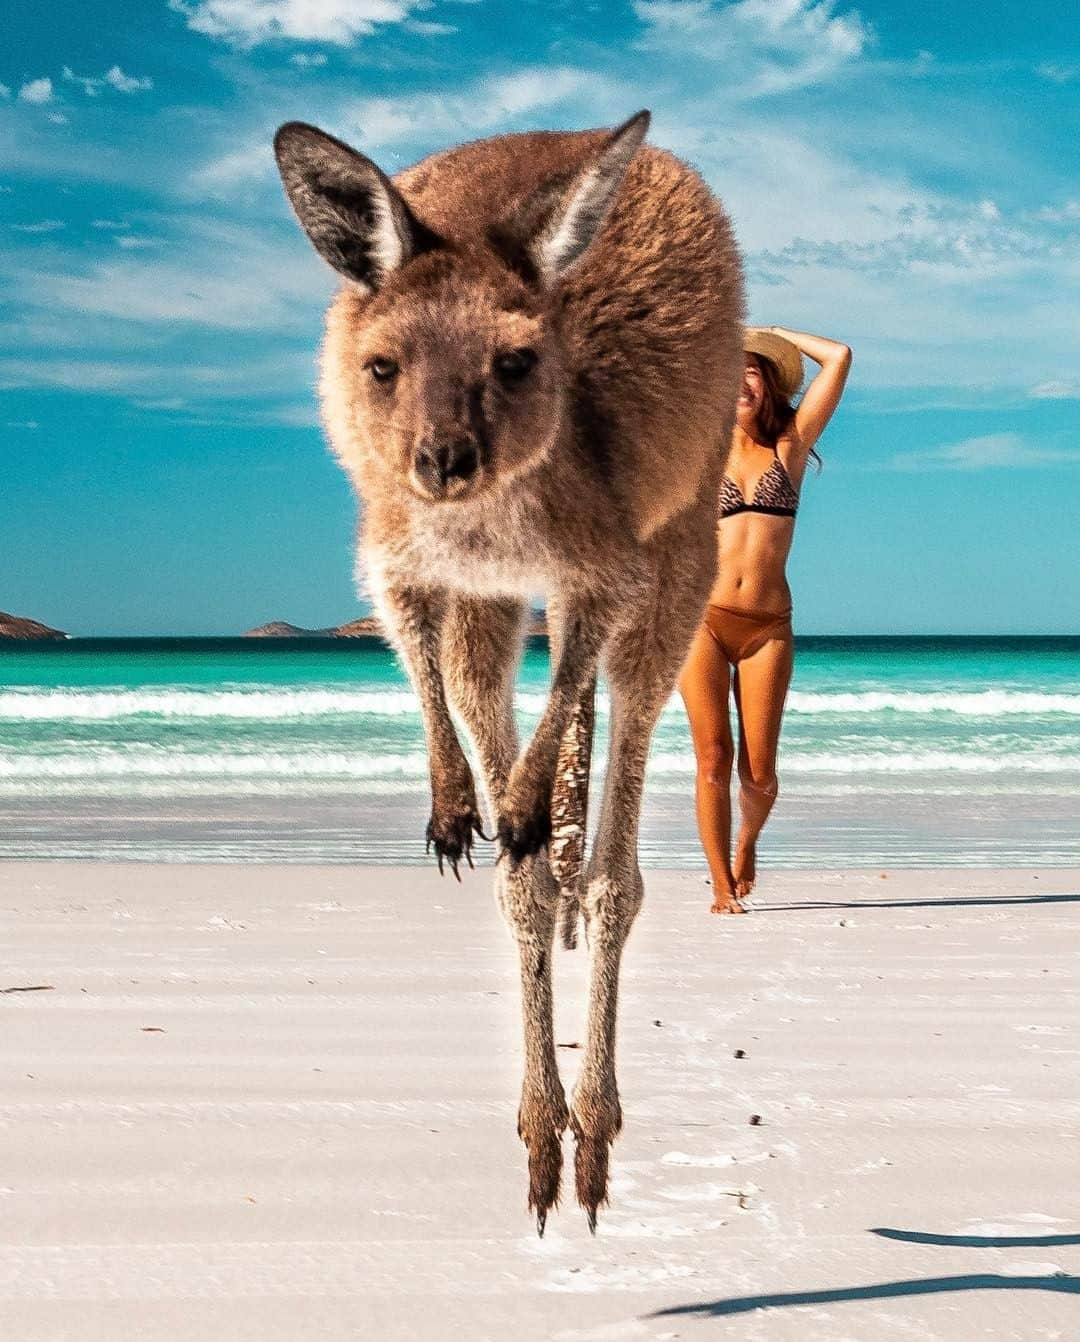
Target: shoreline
{"points": [[812, 828], [270, 1101], [533, 639]]}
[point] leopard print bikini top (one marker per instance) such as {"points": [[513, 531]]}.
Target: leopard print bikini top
{"points": [[774, 494]]}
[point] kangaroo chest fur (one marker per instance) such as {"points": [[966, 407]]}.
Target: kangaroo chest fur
{"points": [[499, 546]]}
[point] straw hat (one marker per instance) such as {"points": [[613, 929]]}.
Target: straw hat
{"points": [[781, 353]]}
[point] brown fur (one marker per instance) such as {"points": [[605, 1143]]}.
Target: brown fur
{"points": [[593, 479]]}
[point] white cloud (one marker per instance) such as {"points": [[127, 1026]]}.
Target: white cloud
{"points": [[126, 83], [488, 105], [1060, 214], [993, 451], [74, 374], [825, 196], [423, 28], [43, 226], [248, 23], [421, 122], [948, 241], [37, 91], [1063, 389], [765, 46], [5, 91], [219, 177], [303, 415], [89, 84], [308, 60], [22, 424], [131, 243], [109, 223], [938, 295], [58, 119], [114, 77], [249, 378], [1056, 73], [219, 276]]}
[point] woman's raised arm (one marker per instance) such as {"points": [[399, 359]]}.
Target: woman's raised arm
{"points": [[823, 394]]}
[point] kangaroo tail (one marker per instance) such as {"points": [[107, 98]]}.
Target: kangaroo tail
{"points": [[569, 810]]}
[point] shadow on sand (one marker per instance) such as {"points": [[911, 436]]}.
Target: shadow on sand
{"points": [[1060, 1283], [976, 1241], [989, 901], [886, 1290]]}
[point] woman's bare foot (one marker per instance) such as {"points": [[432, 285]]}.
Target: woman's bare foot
{"points": [[726, 901], [745, 869]]}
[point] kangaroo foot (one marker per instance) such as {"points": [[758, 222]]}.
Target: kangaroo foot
{"points": [[596, 1121], [541, 1124]]}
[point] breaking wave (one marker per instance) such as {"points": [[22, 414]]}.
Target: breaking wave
{"points": [[145, 762], [261, 704]]}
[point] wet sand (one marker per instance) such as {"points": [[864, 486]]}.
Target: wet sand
{"points": [[266, 1102]]}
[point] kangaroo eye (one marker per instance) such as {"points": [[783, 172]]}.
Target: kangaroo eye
{"points": [[515, 365], [383, 370]]}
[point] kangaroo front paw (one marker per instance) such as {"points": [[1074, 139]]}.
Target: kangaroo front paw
{"points": [[452, 839], [524, 822], [454, 820], [525, 836]]}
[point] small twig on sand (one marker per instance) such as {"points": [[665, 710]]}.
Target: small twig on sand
{"points": [[31, 988]]}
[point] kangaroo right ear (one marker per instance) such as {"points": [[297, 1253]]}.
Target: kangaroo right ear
{"points": [[548, 234], [356, 219]]}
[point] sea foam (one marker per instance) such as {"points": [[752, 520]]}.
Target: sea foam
{"points": [[58, 705]]}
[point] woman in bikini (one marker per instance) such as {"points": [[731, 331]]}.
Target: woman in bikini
{"points": [[745, 641]]}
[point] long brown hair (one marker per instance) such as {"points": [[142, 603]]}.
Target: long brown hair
{"points": [[776, 414]]}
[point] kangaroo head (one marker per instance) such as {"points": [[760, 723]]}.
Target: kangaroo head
{"points": [[454, 367]]}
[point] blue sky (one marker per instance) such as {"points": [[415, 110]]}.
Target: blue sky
{"points": [[902, 176]]}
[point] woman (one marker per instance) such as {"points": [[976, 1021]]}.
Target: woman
{"points": [[745, 640]]}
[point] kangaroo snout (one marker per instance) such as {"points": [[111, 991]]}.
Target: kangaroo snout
{"points": [[440, 462]]}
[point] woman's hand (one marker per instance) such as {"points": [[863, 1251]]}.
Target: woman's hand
{"points": [[816, 347]]}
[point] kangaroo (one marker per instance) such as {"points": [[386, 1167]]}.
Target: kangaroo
{"points": [[530, 375]]}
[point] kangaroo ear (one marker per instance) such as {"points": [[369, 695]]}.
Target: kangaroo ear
{"points": [[347, 206], [547, 235]]}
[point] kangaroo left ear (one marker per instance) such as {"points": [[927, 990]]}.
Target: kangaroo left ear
{"points": [[355, 217], [555, 227]]}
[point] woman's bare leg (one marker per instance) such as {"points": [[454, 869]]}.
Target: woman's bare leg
{"points": [[705, 684], [761, 686]]}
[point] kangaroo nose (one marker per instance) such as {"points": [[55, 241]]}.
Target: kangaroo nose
{"points": [[439, 463]]}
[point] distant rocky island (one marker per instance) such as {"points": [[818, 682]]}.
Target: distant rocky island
{"points": [[16, 626], [366, 627]]}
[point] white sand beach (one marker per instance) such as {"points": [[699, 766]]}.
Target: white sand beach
{"points": [[259, 1102]]}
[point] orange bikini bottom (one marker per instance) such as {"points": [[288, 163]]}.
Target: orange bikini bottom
{"points": [[739, 633]]}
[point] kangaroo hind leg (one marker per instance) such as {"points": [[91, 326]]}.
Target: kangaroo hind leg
{"points": [[481, 640], [642, 667]]}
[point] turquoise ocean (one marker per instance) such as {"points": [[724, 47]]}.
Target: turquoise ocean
{"points": [[895, 752]]}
